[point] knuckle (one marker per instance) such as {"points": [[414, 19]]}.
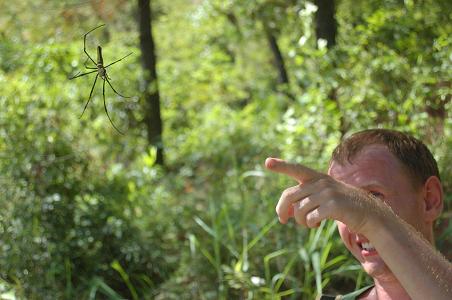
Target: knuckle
{"points": [[312, 217], [291, 191], [304, 202], [331, 205], [286, 193]]}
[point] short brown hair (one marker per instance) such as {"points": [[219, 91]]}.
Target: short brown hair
{"points": [[411, 152]]}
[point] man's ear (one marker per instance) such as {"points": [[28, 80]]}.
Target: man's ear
{"points": [[433, 198]]}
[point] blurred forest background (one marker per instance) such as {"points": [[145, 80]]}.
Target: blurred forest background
{"points": [[189, 212]]}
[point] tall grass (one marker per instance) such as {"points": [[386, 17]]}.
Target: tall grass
{"points": [[302, 267]]}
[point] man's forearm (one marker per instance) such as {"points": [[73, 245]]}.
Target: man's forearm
{"points": [[420, 269]]}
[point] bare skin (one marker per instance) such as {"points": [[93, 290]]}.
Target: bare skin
{"points": [[374, 201]]}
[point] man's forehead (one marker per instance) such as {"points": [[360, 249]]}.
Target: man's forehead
{"points": [[371, 164]]}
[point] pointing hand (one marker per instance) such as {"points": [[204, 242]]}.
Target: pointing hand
{"points": [[319, 196]]}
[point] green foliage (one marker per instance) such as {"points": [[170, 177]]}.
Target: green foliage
{"points": [[85, 212]]}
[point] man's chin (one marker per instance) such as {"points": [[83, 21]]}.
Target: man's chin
{"points": [[372, 263]]}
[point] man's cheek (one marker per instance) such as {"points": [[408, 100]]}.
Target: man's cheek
{"points": [[345, 234]]}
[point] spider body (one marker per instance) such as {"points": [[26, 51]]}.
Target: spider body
{"points": [[101, 72], [100, 60], [100, 64]]}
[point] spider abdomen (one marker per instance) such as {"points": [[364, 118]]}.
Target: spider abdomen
{"points": [[100, 60]]}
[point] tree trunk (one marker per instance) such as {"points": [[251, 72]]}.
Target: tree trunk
{"points": [[326, 28], [151, 94], [436, 108], [277, 56], [325, 23]]}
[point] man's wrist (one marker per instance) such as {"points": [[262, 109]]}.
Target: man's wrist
{"points": [[379, 223]]}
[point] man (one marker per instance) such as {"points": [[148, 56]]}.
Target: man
{"points": [[384, 191]]}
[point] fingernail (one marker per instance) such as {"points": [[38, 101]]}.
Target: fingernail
{"points": [[270, 162]]}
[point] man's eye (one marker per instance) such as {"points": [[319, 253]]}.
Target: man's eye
{"points": [[376, 194]]}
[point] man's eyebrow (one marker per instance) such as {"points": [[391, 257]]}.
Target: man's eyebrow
{"points": [[372, 184]]}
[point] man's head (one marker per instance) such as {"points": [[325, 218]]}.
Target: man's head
{"points": [[399, 170], [415, 157]]}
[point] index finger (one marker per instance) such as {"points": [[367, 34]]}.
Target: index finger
{"points": [[296, 171]]}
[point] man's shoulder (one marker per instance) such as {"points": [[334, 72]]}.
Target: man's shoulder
{"points": [[350, 296]]}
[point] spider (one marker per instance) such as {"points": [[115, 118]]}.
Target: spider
{"points": [[101, 71]]}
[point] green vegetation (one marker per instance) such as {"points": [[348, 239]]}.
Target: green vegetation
{"points": [[88, 214]]}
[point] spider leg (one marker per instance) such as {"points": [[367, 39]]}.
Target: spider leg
{"points": [[88, 67], [118, 60], [89, 98], [108, 81], [106, 111], [84, 42], [79, 75]]}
